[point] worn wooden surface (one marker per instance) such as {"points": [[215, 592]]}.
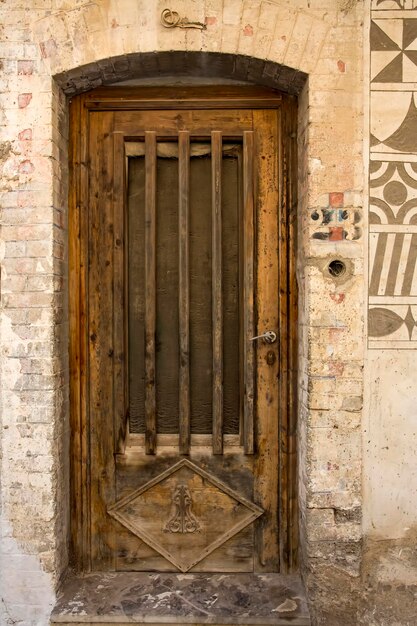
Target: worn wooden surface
{"points": [[177, 513], [269, 317], [180, 97], [98, 415], [100, 332], [217, 291], [150, 291], [232, 312], [77, 328], [168, 123], [248, 292], [234, 469], [288, 239], [120, 363], [184, 291], [136, 293]]}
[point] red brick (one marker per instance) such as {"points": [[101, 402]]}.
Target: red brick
{"points": [[336, 233], [341, 66], [23, 100], [336, 199], [337, 297], [336, 368], [25, 67], [248, 30], [210, 20], [48, 48], [25, 135], [26, 167]]}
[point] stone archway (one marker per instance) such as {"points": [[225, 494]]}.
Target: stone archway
{"points": [[182, 63]]}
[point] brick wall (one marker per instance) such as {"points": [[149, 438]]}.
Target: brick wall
{"points": [[34, 470]]}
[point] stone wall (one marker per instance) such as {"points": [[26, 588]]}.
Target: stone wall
{"points": [[353, 522]]}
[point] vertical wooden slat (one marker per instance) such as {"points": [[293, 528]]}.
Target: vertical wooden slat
{"points": [[241, 307], [248, 287], [83, 233], [150, 291], [291, 138], [183, 293], [283, 338], [100, 332], [268, 372], [287, 407], [217, 304], [119, 296], [77, 268]]}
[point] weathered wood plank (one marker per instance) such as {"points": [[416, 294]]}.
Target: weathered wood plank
{"points": [[267, 290], [83, 269], [217, 302], [241, 305], [150, 291], [231, 219], [135, 285], [120, 363], [289, 214], [100, 332], [283, 338], [248, 291], [180, 97], [75, 330], [183, 292], [172, 440], [169, 123]]}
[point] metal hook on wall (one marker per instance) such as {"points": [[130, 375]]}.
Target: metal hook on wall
{"points": [[172, 19]]}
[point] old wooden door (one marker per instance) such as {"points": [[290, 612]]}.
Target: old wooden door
{"points": [[180, 240]]}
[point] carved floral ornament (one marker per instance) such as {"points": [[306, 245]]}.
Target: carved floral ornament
{"points": [[183, 521], [172, 19]]}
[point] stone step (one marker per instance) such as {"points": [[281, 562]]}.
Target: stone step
{"points": [[124, 598]]}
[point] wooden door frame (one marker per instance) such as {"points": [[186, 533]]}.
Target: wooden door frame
{"points": [[160, 98]]}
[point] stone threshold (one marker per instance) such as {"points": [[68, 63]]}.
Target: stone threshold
{"points": [[151, 598]]}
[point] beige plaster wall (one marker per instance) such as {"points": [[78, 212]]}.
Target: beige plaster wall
{"points": [[44, 43], [390, 429]]}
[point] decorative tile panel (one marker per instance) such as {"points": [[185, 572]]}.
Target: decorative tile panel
{"points": [[392, 295]]}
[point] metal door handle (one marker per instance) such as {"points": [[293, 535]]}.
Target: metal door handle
{"points": [[269, 337]]}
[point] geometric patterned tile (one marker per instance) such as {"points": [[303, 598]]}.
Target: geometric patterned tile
{"points": [[393, 265], [393, 122], [393, 192], [393, 50], [397, 322]]}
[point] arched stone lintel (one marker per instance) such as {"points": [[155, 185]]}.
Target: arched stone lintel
{"points": [[202, 64]]}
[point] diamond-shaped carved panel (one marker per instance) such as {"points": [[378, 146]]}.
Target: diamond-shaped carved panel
{"points": [[185, 513]]}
